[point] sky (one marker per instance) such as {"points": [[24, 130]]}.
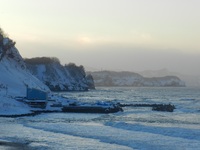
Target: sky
{"points": [[120, 35]]}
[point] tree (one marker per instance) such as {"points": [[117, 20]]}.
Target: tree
{"points": [[2, 33]]}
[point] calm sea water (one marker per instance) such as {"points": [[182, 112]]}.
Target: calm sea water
{"points": [[135, 128]]}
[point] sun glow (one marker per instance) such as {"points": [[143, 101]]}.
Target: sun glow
{"points": [[85, 40]]}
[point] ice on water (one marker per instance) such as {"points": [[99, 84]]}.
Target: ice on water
{"points": [[135, 128]]}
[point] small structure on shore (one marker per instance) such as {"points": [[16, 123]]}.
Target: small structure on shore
{"points": [[36, 98], [35, 94]]}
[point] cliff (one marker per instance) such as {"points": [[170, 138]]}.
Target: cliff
{"points": [[58, 77], [190, 80], [130, 79], [14, 76]]}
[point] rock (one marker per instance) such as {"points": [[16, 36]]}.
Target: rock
{"points": [[131, 79], [14, 75], [90, 82], [58, 77]]}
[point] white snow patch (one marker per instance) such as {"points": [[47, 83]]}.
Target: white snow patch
{"points": [[9, 106]]}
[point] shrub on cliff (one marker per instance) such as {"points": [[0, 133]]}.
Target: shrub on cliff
{"points": [[42, 60], [2, 34]]}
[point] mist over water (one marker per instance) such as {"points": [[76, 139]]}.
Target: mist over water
{"points": [[122, 58], [111, 35]]}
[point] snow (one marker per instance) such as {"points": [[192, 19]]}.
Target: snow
{"points": [[41, 69], [107, 130], [109, 78], [14, 80], [41, 139], [15, 77], [131, 129], [9, 106], [135, 128], [60, 77]]}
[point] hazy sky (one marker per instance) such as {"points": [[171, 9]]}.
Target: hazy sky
{"points": [[127, 35]]}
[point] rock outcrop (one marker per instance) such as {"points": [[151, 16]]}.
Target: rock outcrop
{"points": [[130, 79], [58, 77], [14, 77]]}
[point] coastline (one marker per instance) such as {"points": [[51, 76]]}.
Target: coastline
{"points": [[28, 114], [13, 145]]}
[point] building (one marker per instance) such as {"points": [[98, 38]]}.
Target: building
{"points": [[35, 94], [36, 98]]}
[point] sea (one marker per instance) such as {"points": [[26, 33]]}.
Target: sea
{"points": [[136, 128]]}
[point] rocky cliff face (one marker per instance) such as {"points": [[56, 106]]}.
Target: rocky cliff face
{"points": [[109, 78], [58, 77], [14, 77], [190, 80], [90, 81]]}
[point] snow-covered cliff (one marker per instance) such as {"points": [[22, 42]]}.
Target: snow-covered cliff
{"points": [[190, 80], [110, 78], [14, 77], [58, 77]]}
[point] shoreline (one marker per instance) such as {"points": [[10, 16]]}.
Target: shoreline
{"points": [[14, 145], [28, 114], [85, 109]]}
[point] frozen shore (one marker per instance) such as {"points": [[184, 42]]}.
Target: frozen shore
{"points": [[135, 128], [9, 106], [13, 145]]}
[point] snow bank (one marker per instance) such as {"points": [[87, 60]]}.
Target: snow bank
{"points": [[14, 77], [9, 106]]}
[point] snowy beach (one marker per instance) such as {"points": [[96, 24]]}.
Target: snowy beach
{"points": [[99, 75], [135, 128]]}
